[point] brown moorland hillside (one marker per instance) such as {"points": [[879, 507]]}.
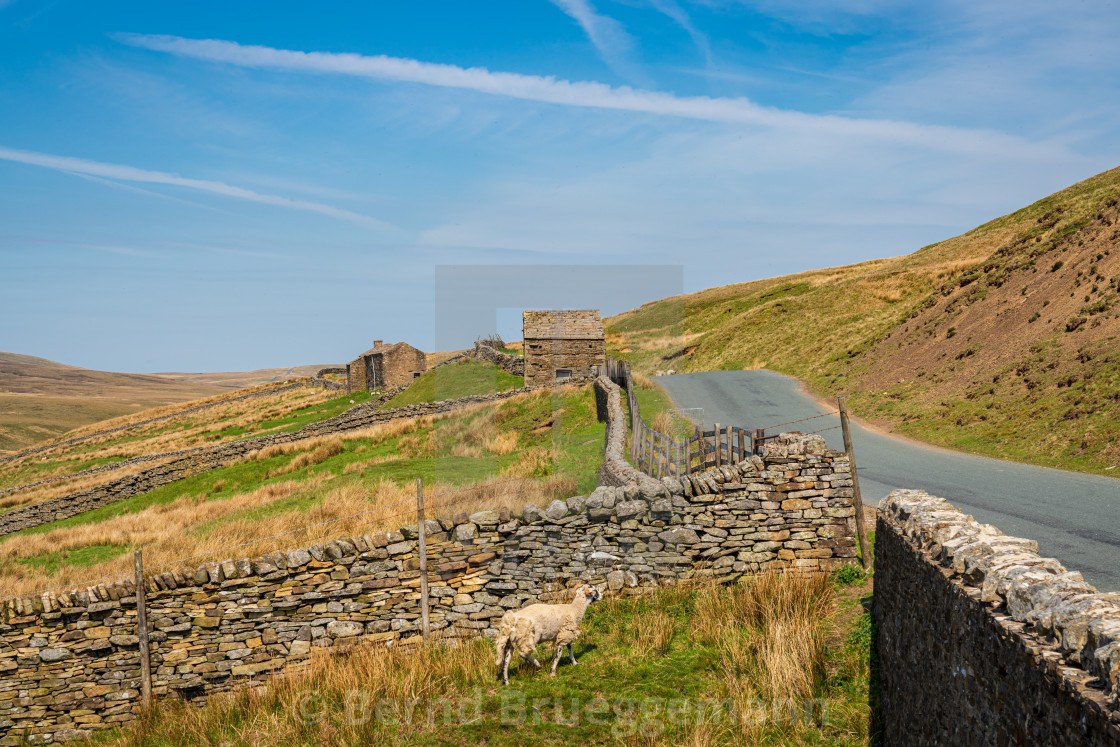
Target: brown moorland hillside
{"points": [[1003, 341], [41, 399], [241, 379]]}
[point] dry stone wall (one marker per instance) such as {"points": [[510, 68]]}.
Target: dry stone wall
{"points": [[512, 364], [320, 380], [69, 663], [982, 641]]}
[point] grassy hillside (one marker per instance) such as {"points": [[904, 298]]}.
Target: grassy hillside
{"points": [[40, 399], [226, 420], [540, 445], [775, 660], [454, 380], [1003, 341]]}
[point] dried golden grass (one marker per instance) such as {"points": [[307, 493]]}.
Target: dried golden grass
{"points": [[947, 269], [770, 630], [264, 407], [653, 633], [194, 524], [475, 436], [371, 462], [534, 462], [343, 686], [331, 446], [663, 422], [504, 442], [197, 427], [333, 686], [155, 412]]}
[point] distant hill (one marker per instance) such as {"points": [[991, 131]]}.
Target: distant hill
{"points": [[41, 399], [240, 379], [1003, 341]]}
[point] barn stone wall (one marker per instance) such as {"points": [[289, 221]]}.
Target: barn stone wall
{"points": [[385, 366], [570, 340], [544, 357]]}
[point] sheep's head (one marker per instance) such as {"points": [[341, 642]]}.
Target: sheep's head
{"points": [[590, 593]]}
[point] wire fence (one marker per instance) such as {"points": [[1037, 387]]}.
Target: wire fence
{"points": [[659, 454], [802, 420]]}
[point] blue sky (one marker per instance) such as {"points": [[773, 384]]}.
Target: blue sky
{"points": [[231, 186]]}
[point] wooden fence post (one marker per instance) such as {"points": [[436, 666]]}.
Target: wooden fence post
{"points": [[662, 455], [142, 632], [649, 448], [717, 437], [742, 445], [857, 498], [635, 427], [422, 534]]}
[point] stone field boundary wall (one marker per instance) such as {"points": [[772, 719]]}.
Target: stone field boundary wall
{"points": [[319, 380], [982, 641], [69, 662]]}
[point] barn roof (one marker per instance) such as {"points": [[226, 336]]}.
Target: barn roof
{"points": [[583, 324], [395, 347]]}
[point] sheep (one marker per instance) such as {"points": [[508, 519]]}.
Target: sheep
{"points": [[523, 629]]}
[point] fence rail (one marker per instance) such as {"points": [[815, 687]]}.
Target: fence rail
{"points": [[660, 455]]}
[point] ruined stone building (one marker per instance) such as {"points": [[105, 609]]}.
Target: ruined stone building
{"points": [[384, 366], [560, 344]]}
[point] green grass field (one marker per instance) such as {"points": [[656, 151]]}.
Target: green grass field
{"points": [[454, 380]]}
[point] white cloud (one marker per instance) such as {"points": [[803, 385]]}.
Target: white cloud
{"points": [[607, 34], [744, 206], [674, 11], [81, 166], [126, 251], [593, 95]]}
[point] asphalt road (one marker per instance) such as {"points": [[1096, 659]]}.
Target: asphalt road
{"points": [[1074, 517]]}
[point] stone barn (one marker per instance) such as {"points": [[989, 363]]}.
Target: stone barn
{"points": [[384, 366], [561, 344]]}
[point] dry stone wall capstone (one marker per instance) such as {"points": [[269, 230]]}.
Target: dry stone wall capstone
{"points": [[982, 641]]}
